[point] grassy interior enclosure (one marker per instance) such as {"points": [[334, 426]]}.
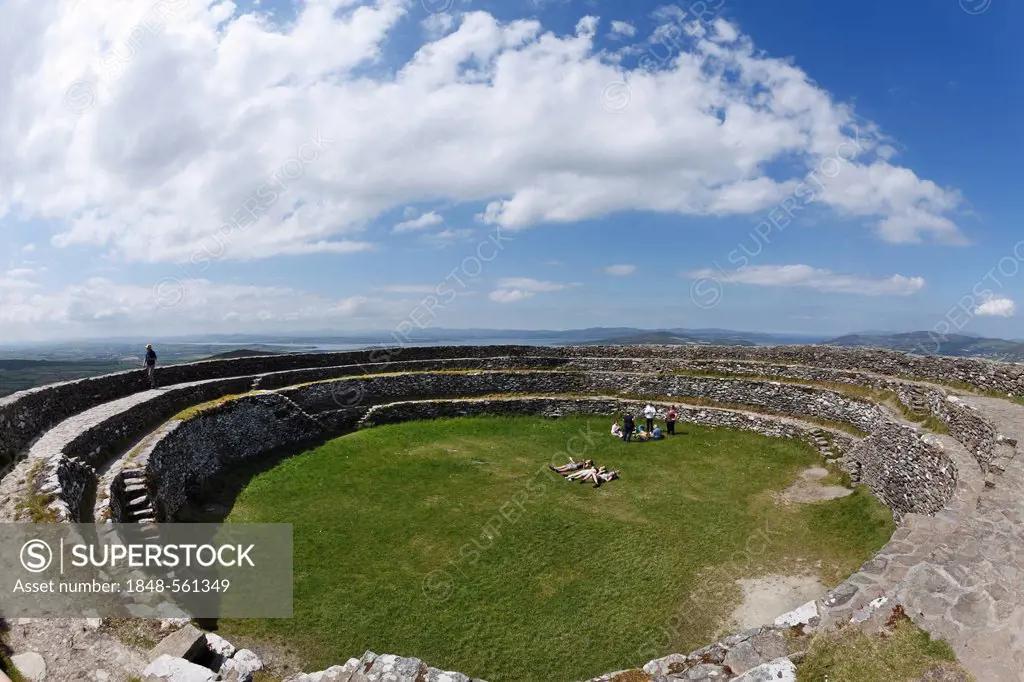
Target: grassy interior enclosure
{"points": [[450, 540]]}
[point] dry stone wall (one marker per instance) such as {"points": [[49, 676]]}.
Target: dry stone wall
{"points": [[778, 397], [903, 470], [67, 473], [1005, 378], [894, 462], [24, 416], [198, 448], [903, 493]]}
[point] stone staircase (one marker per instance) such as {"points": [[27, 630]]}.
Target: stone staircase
{"points": [[916, 400], [138, 507], [823, 442]]}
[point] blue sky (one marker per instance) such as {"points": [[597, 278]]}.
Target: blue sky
{"points": [[591, 147]]}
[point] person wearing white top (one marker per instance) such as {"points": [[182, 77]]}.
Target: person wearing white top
{"points": [[582, 473], [649, 413]]}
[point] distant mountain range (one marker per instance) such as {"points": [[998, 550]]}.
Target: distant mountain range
{"points": [[31, 365], [194, 347], [512, 336], [929, 343], [920, 343]]}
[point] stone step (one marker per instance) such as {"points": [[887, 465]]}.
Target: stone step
{"points": [[133, 473], [140, 501], [998, 465], [136, 488], [139, 510]]}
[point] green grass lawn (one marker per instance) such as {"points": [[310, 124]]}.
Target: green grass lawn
{"points": [[446, 540]]}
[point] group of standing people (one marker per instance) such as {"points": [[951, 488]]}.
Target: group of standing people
{"points": [[652, 432]]}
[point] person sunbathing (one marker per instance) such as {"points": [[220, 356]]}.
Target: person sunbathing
{"points": [[572, 466], [602, 476], [592, 474], [581, 474]]}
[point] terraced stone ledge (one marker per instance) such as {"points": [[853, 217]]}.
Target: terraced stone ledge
{"points": [[26, 415]]}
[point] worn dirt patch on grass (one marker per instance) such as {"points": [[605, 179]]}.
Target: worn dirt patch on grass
{"points": [[768, 597], [809, 488]]}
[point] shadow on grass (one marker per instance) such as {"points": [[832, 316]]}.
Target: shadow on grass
{"points": [[216, 496]]}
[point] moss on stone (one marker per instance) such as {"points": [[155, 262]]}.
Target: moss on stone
{"points": [[36, 504], [196, 410]]}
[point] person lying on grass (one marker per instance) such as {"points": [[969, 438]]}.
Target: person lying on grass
{"points": [[605, 477], [591, 474], [581, 474], [572, 466]]}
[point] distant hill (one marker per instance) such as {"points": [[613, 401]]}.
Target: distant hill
{"points": [[669, 337], [509, 336], [18, 375], [929, 343], [240, 353]]}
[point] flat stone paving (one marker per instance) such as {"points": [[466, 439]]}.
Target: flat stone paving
{"points": [[958, 574]]}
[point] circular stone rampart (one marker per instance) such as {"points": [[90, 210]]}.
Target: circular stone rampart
{"points": [[24, 416], [109, 448]]}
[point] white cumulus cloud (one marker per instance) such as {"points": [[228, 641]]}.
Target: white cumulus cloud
{"points": [[815, 278], [304, 133], [170, 305], [512, 289], [623, 28], [423, 222], [996, 307]]}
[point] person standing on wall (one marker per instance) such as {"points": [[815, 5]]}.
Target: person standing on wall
{"points": [[151, 365], [649, 413], [670, 420]]}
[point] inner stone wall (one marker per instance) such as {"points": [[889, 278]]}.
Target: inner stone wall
{"points": [[195, 449], [904, 471], [577, 376], [782, 398], [212, 441]]}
